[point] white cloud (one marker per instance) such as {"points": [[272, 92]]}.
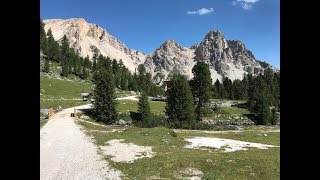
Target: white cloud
{"points": [[245, 4], [248, 1], [202, 11]]}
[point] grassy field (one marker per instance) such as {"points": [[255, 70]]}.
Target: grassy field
{"points": [[225, 100], [52, 88], [52, 91], [44, 104], [130, 105], [233, 110], [171, 157]]}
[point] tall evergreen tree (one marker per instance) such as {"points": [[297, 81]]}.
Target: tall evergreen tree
{"points": [[180, 104], [274, 117], [201, 86], [87, 63], [141, 77], [115, 66], [124, 78], [84, 73], [46, 67], [104, 94], [53, 48], [262, 111], [227, 83], [216, 89], [237, 89], [43, 37], [245, 87], [95, 58], [65, 47], [144, 108]]}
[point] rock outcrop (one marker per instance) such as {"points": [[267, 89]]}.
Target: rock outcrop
{"points": [[170, 57]]}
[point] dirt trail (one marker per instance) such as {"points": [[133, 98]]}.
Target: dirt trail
{"points": [[67, 153]]}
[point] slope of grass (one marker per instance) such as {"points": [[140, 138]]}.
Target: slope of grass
{"points": [[233, 110], [44, 104], [130, 105], [52, 88], [171, 157]]}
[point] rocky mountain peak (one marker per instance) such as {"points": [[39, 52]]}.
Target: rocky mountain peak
{"points": [[214, 39], [84, 37], [170, 45], [170, 55], [214, 33]]}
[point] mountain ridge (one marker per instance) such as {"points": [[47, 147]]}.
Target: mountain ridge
{"points": [[226, 58]]}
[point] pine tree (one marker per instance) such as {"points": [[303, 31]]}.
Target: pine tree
{"points": [[64, 69], [180, 104], [133, 83], [65, 47], [115, 66], [46, 67], [227, 83], [245, 87], [53, 48], [216, 89], [104, 94], [95, 59], [141, 77], [43, 37], [237, 89], [274, 116], [144, 109], [124, 78], [222, 91], [87, 63], [201, 86], [84, 73], [262, 111]]}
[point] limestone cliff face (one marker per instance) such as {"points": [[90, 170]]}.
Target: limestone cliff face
{"points": [[226, 58], [168, 57], [84, 37]]}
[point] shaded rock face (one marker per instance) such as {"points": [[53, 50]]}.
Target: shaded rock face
{"points": [[226, 58], [214, 51]]}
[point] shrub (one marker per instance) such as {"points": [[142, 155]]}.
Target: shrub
{"points": [[206, 111], [124, 116]]}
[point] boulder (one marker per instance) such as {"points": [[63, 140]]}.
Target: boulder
{"points": [[121, 122]]}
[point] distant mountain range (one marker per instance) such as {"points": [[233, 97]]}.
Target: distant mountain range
{"points": [[226, 58]]}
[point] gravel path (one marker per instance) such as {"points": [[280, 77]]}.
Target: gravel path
{"points": [[67, 153]]}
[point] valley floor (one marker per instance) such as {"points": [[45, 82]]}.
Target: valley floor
{"points": [[76, 148]]}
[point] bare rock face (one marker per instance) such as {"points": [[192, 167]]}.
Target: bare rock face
{"points": [[84, 37], [170, 56], [226, 58]]}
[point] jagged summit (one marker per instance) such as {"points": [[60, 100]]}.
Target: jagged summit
{"points": [[226, 58]]}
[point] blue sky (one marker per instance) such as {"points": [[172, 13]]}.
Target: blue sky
{"points": [[145, 24]]}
